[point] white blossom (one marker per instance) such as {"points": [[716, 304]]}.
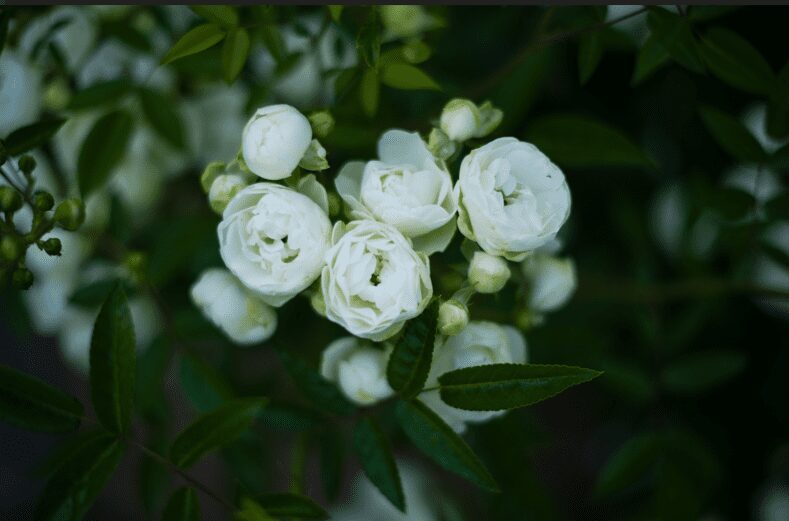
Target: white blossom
{"points": [[552, 281], [358, 368]]}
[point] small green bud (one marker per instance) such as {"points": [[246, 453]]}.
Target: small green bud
{"points": [[43, 201], [22, 278], [11, 248], [70, 214], [452, 317], [223, 189], [10, 199], [488, 273], [322, 123], [335, 204], [211, 172], [52, 246], [27, 164]]}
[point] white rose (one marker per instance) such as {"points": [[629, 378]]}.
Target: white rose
{"points": [[460, 119], [487, 273], [552, 281], [373, 280], [234, 309], [274, 141], [511, 198], [358, 368], [480, 343], [274, 240], [406, 188]]}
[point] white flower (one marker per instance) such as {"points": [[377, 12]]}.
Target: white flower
{"points": [[452, 317], [480, 343], [373, 280], [511, 198], [460, 119], [20, 92], [358, 368], [236, 310], [274, 141], [223, 189], [406, 188], [487, 273], [274, 240], [552, 281]]}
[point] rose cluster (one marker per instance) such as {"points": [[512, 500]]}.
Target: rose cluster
{"points": [[370, 271]]}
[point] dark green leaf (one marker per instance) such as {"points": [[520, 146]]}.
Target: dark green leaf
{"points": [[700, 372], [293, 506], [507, 386], [112, 363], [234, 53], [160, 112], [273, 41], [674, 34], [375, 455], [223, 15], [322, 393], [205, 388], [410, 361], [405, 76], [198, 39], [440, 443], [731, 203], [650, 58], [214, 429], [369, 91], [182, 506], [777, 208], [577, 141], [709, 12], [732, 135], [33, 404], [77, 482], [100, 93], [289, 417], [125, 32], [5, 18], [152, 364], [736, 62], [628, 464], [32, 136], [102, 150], [332, 451], [590, 50], [368, 40], [780, 159], [94, 294], [154, 478], [778, 107]]}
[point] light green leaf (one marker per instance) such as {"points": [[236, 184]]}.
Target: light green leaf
{"points": [[590, 50], [162, 115], [335, 11], [250, 511], [507, 386], [375, 455], [292, 506], [100, 93], [182, 506], [214, 429], [674, 34], [198, 39], [650, 58], [369, 91], [31, 136], [223, 15], [405, 76], [700, 372], [102, 150], [440, 443], [732, 135], [735, 61], [112, 363], [410, 361], [628, 464], [33, 404], [322, 393], [234, 53]]}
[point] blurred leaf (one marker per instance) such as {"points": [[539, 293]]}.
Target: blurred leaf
{"points": [[777, 208], [440, 443], [507, 386], [205, 388], [369, 92], [293, 506], [32, 136], [709, 12], [332, 453], [198, 39], [404, 76], [65, 450], [731, 203], [628, 464], [336, 12], [321, 392], [651, 57], [152, 364], [100, 93], [699, 372], [126, 33], [627, 381], [590, 50], [112, 363], [289, 417], [780, 159], [375, 456], [234, 54], [410, 360], [223, 15], [778, 106], [777, 255], [247, 459], [576, 141], [516, 95], [154, 478], [214, 429], [33, 404], [250, 511], [94, 294], [194, 235], [736, 62], [5, 18], [368, 40], [78, 481], [162, 115], [272, 39], [732, 135], [182, 506], [102, 150], [674, 34]]}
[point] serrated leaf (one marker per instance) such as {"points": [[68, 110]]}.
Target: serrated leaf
{"points": [[410, 360], [321, 392], [182, 506], [369, 91], [674, 34], [439, 442], [78, 481], [590, 50], [223, 15], [234, 53], [375, 456], [102, 150], [506, 386], [628, 464], [203, 386], [732, 135], [735, 61], [163, 117], [33, 404], [214, 429], [112, 363], [577, 141], [651, 57], [292, 506], [198, 39], [700, 372], [31, 136], [100, 93], [405, 76]]}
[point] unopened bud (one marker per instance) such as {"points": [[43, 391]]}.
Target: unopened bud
{"points": [[52, 246], [70, 214], [26, 163], [488, 273], [322, 123], [211, 172], [11, 248], [440, 145], [460, 119], [22, 278], [10, 199], [43, 201], [452, 317], [223, 189]]}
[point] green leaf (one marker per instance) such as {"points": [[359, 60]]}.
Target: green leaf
{"points": [[182, 506], [100, 93], [32, 136], [205, 388], [78, 481], [321, 392], [590, 50], [732, 135], [33, 404], [332, 457], [223, 15], [731, 203], [778, 106], [410, 361], [94, 294], [628, 464], [405, 76], [507, 386], [112, 363], [102, 150], [369, 92], [198, 39], [709, 12], [293, 506], [375, 456], [735, 61], [368, 39], [577, 141], [214, 429], [440, 443], [234, 53], [674, 34], [250, 511], [152, 364], [335, 11], [163, 117], [780, 159], [650, 58], [700, 372]]}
